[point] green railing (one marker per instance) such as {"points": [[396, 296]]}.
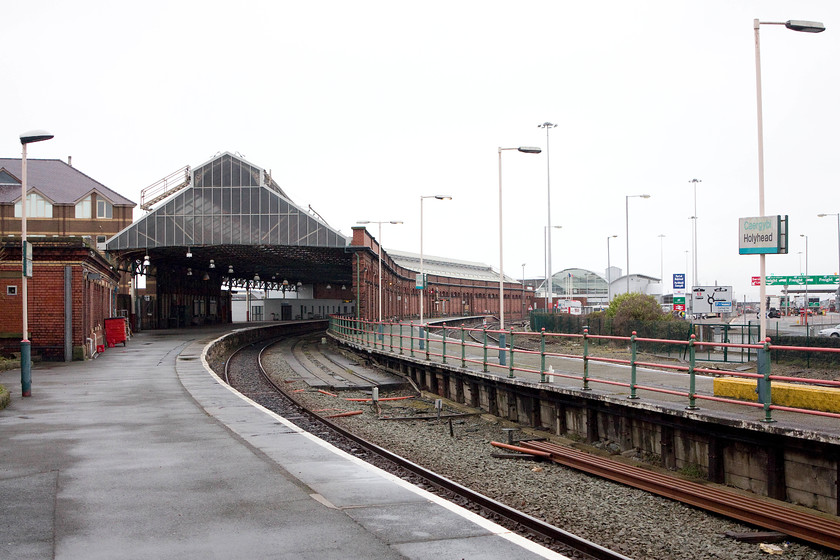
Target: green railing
{"points": [[530, 353]]}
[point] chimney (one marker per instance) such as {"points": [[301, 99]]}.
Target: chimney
{"points": [[70, 161]]}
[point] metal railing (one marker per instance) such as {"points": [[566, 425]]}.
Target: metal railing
{"points": [[529, 353]]}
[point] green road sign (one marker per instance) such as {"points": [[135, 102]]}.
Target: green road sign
{"points": [[800, 280]]}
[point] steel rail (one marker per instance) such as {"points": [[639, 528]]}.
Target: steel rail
{"points": [[528, 522], [806, 526]]}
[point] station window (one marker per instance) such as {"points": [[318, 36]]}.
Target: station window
{"points": [[83, 208]]}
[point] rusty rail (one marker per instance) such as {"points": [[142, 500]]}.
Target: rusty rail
{"points": [[808, 527]]}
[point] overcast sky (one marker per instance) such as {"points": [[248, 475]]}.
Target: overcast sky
{"points": [[359, 108]]}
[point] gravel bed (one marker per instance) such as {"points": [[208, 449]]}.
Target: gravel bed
{"points": [[633, 522]]}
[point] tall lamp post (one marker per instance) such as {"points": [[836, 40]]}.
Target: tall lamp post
{"points": [[527, 150], [548, 126], [694, 232], [422, 271], [379, 245], [807, 27], [26, 265], [627, 229], [837, 296], [662, 265], [609, 272], [807, 303], [549, 277]]}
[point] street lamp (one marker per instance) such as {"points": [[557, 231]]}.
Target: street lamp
{"points": [[627, 229], [694, 232], [422, 271], [661, 266], [837, 297], [549, 277], [609, 272], [379, 246], [807, 27], [807, 303], [548, 126], [527, 150], [26, 271]]}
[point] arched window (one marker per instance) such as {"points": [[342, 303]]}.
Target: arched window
{"points": [[36, 207]]}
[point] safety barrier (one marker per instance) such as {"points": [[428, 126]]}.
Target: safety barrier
{"points": [[465, 347]]}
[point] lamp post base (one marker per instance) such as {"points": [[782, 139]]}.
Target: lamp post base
{"points": [[26, 368]]}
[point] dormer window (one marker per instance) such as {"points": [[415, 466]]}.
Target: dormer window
{"points": [[36, 207], [104, 209], [83, 208]]}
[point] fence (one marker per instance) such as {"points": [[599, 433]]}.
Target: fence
{"points": [[531, 353]]}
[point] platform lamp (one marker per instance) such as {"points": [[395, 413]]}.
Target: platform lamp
{"points": [[794, 25], [422, 271], [837, 297], [26, 264], [379, 246], [502, 346]]}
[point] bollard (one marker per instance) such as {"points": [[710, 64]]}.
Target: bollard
{"points": [[692, 359], [542, 356], [586, 386], [510, 368], [463, 348], [443, 344], [764, 389], [633, 394], [485, 350], [502, 348]]}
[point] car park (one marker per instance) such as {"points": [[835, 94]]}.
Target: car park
{"points": [[832, 331]]}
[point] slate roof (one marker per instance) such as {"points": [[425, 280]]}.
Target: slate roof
{"points": [[59, 182]]}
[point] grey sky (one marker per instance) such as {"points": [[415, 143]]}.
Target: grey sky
{"points": [[360, 108]]}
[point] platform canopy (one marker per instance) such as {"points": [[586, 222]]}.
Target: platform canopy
{"points": [[232, 212]]}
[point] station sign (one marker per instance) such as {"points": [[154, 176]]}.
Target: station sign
{"points": [[763, 235]]}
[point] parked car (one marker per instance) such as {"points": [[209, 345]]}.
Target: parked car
{"points": [[774, 313], [833, 331]]}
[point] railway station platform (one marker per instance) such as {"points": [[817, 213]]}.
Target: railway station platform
{"points": [[144, 453]]}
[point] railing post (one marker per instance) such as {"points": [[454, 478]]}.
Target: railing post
{"points": [[510, 366], [420, 336], [411, 339], [391, 336], [764, 390], [691, 375], [367, 333], [485, 350], [401, 338], [633, 348], [426, 336], [586, 386], [463, 348], [542, 356], [443, 344]]}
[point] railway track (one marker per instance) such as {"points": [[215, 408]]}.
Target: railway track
{"points": [[246, 364], [816, 529]]}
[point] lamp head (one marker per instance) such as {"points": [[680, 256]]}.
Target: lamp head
{"points": [[529, 149], [805, 26], [35, 136], [443, 197]]}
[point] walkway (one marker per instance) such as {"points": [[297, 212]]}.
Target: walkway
{"points": [[142, 453]]}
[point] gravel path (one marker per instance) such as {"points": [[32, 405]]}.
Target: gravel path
{"points": [[637, 524]]}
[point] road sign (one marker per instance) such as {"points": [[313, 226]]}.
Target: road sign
{"points": [[756, 280], [679, 281], [704, 299], [800, 280], [679, 300]]}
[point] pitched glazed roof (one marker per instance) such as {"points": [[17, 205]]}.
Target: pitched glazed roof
{"points": [[59, 182], [443, 266]]}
